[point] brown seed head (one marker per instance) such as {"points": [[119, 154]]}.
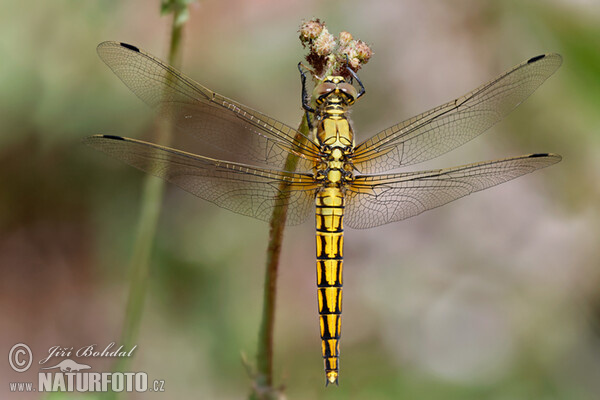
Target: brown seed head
{"points": [[328, 55], [310, 30], [345, 38], [325, 43]]}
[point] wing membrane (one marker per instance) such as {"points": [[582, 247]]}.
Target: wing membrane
{"points": [[448, 126], [216, 120], [243, 189], [375, 200]]}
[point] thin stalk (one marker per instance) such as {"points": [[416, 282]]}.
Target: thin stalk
{"points": [[263, 384], [152, 197]]}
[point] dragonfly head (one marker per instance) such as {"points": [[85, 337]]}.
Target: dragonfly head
{"points": [[335, 86]]}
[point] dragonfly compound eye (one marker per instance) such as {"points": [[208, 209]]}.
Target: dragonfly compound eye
{"points": [[348, 90], [323, 89]]}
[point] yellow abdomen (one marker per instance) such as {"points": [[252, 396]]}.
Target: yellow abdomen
{"points": [[330, 243]]}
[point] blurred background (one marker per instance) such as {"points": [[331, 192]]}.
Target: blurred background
{"points": [[496, 296]]}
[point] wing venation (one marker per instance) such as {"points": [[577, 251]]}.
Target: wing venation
{"points": [[374, 200], [243, 189], [218, 122], [450, 125]]}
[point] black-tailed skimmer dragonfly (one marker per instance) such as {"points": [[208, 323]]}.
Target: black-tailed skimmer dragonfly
{"points": [[333, 178]]}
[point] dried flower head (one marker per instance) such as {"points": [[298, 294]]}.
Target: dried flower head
{"points": [[310, 30], [330, 56], [363, 51], [345, 38], [325, 43]]}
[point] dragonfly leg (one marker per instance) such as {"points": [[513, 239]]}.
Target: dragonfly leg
{"points": [[305, 98], [354, 76]]}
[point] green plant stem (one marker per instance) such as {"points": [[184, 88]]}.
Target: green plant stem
{"points": [[152, 197], [263, 384]]}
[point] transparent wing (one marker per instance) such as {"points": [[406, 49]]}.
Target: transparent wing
{"points": [[448, 126], [243, 189], [374, 200], [216, 120]]}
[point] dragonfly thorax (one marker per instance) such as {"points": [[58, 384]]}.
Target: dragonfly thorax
{"points": [[332, 171], [333, 132], [335, 166]]}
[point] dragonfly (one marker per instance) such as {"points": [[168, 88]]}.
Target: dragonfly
{"points": [[330, 177]]}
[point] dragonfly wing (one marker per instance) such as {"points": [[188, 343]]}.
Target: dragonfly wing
{"points": [[243, 189], [214, 119], [374, 200], [448, 126]]}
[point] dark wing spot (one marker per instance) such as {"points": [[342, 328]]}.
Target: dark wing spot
{"points": [[539, 155], [113, 137], [130, 47], [534, 59]]}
